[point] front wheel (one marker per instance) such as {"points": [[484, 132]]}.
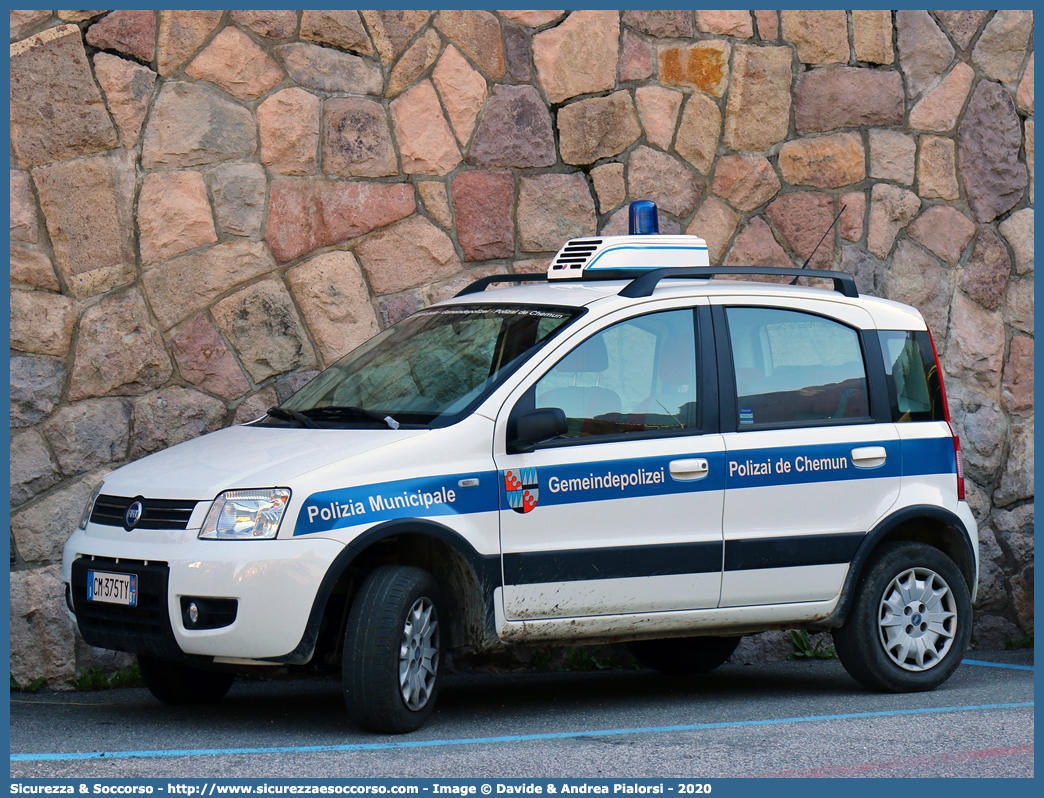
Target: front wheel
{"points": [[391, 668], [178, 684], [910, 620], [683, 655]]}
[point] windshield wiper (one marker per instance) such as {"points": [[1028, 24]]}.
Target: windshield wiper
{"points": [[350, 411], [292, 415]]}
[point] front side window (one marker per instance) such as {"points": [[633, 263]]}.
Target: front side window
{"points": [[794, 368], [639, 375], [429, 369]]}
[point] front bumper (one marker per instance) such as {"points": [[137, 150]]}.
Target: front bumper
{"points": [[273, 582]]}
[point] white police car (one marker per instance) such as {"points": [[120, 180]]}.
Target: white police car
{"points": [[626, 451]]}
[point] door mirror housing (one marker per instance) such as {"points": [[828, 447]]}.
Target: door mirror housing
{"points": [[537, 426]]}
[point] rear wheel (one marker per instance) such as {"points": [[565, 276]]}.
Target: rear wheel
{"points": [[392, 662], [681, 655], [910, 620], [180, 684]]}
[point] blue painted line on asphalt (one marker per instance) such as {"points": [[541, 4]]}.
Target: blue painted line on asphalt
{"points": [[517, 738], [996, 665]]}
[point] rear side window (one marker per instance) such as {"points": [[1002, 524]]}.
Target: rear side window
{"points": [[912, 376], [794, 368]]}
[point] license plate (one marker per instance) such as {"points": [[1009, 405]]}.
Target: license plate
{"points": [[112, 588]]}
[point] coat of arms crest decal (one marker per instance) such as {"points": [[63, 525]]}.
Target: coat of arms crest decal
{"points": [[522, 489]]}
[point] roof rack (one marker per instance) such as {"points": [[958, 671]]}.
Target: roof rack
{"points": [[484, 282], [645, 284]]}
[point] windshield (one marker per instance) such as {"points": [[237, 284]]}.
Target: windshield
{"points": [[428, 370]]}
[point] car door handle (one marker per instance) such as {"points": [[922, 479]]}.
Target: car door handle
{"points": [[690, 468], [869, 456]]}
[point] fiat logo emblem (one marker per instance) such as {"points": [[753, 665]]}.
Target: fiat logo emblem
{"points": [[133, 514]]}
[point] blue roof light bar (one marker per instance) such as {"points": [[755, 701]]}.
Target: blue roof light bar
{"points": [[644, 219]]}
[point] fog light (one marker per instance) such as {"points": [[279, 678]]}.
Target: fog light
{"points": [[205, 612]]}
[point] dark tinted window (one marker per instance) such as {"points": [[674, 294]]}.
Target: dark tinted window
{"points": [[636, 376], [914, 391], [795, 368]]}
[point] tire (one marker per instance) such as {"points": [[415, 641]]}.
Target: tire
{"points": [[919, 653], [392, 662], [683, 655], [180, 685]]}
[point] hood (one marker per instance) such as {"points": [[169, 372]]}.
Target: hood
{"points": [[244, 457]]}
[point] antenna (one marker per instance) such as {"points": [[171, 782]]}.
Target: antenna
{"points": [[803, 265]]}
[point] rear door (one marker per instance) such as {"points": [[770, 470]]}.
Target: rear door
{"points": [[812, 458]]}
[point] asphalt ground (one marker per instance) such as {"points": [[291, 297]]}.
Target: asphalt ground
{"points": [[778, 720]]}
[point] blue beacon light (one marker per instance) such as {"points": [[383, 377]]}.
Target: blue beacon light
{"points": [[643, 218]]}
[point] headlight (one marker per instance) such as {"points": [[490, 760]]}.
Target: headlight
{"points": [[90, 507], [245, 514]]}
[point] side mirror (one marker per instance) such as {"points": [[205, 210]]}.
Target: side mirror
{"points": [[537, 426]]}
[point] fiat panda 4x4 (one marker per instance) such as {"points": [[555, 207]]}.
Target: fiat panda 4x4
{"points": [[623, 449]]}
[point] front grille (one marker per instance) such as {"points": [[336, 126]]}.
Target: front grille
{"points": [[158, 513], [142, 629]]}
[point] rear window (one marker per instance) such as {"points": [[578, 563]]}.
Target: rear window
{"points": [[914, 390]]}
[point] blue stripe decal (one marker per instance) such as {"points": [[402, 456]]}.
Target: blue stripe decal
{"points": [[573, 483], [801, 465], [928, 456], [422, 497], [831, 462], [513, 738], [748, 468], [648, 247]]}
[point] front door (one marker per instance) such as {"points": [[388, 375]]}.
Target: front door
{"points": [[623, 514]]}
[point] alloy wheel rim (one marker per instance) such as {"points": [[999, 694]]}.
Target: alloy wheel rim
{"points": [[419, 654], [917, 619]]}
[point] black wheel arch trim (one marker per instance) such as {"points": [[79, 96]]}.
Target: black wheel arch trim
{"points": [[486, 566], [968, 568]]}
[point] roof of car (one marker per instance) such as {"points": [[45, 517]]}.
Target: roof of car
{"points": [[581, 293]]}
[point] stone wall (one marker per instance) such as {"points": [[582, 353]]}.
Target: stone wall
{"points": [[208, 206]]}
